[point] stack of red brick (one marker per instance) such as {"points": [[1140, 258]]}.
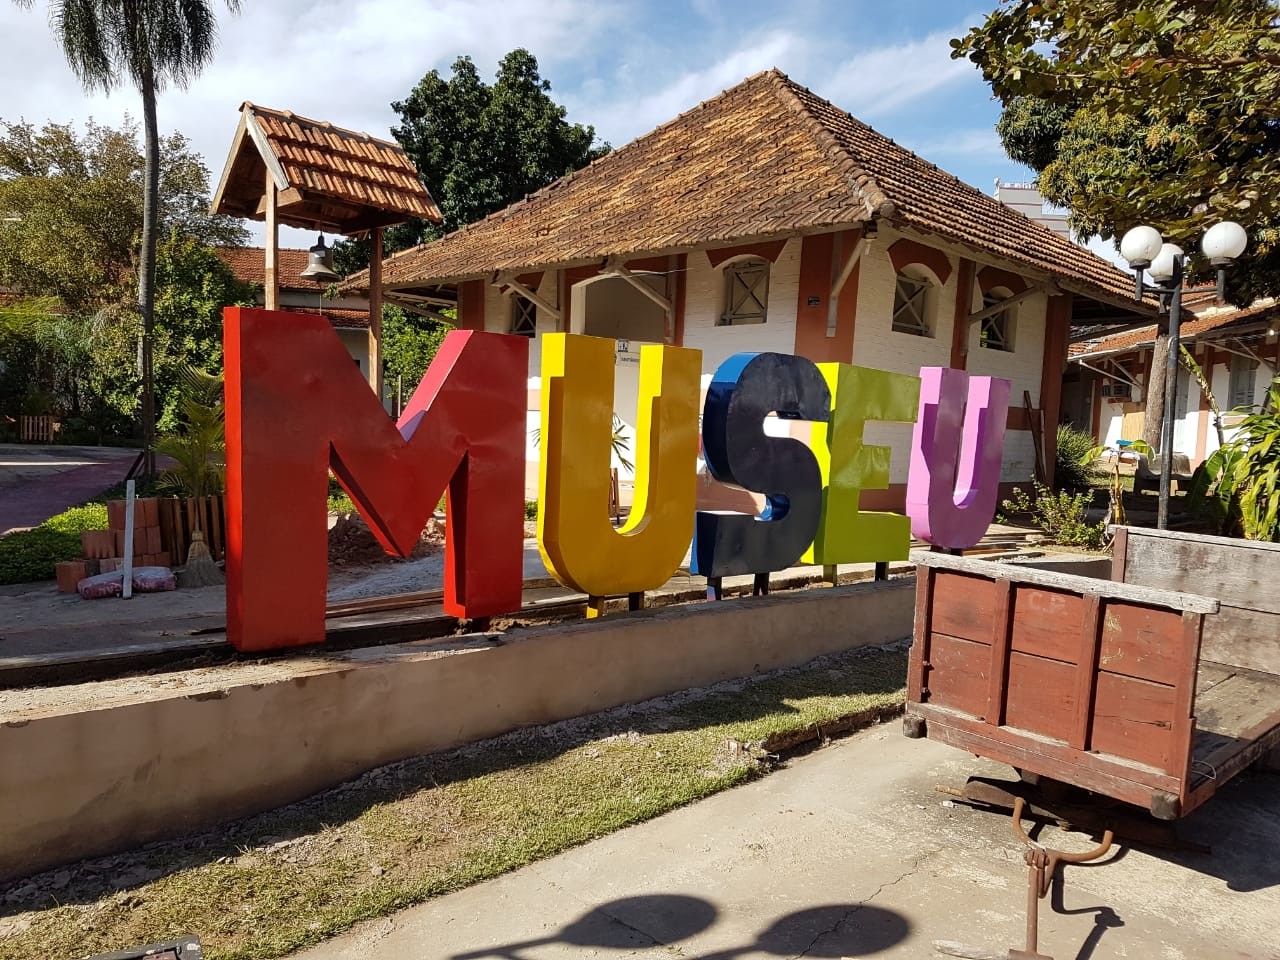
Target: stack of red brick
{"points": [[104, 549]]}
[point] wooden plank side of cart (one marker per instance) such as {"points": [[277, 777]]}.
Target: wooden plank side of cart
{"points": [[1087, 681]]}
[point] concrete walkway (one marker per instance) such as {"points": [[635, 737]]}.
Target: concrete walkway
{"points": [[850, 852], [38, 482]]}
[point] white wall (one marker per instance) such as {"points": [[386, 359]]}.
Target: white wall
{"points": [[876, 344], [704, 293]]}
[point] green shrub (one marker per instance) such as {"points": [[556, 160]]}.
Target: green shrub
{"points": [[32, 555], [1059, 514], [531, 509], [1239, 485], [1069, 470]]}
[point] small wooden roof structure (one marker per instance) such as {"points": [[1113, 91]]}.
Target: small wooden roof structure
{"points": [[310, 174], [325, 177]]}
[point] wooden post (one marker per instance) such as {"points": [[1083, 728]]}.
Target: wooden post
{"points": [[375, 311], [127, 574], [271, 291]]}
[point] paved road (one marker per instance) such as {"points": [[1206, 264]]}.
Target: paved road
{"points": [[37, 482], [850, 852]]}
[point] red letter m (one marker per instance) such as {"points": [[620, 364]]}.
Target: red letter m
{"points": [[297, 407]]}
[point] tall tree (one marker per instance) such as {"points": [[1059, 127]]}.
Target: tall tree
{"points": [[1146, 111], [73, 202], [73, 199], [148, 43], [1157, 111], [480, 147]]}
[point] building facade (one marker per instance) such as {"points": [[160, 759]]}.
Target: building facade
{"points": [[768, 220]]}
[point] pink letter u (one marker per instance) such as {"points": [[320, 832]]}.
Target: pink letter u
{"points": [[956, 452]]}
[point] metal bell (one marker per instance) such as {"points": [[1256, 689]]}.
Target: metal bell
{"points": [[320, 264]]}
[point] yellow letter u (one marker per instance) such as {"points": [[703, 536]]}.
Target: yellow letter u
{"points": [[576, 537]]}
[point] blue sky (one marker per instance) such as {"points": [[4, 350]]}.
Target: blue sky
{"points": [[623, 67]]}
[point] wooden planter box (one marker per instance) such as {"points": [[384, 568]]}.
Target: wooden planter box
{"points": [[179, 516]]}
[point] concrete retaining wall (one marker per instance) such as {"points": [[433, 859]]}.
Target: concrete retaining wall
{"points": [[99, 780]]}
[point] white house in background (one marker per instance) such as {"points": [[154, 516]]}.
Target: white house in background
{"points": [[766, 219], [1026, 199], [1105, 390], [348, 314]]}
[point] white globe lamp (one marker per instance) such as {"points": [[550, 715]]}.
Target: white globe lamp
{"points": [[1223, 242], [1140, 246], [1162, 266]]}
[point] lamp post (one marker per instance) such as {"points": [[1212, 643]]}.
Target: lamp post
{"points": [[1145, 249]]}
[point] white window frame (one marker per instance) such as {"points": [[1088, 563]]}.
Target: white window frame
{"points": [[996, 330], [746, 292], [523, 321], [912, 297]]}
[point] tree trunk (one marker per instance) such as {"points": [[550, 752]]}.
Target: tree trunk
{"points": [[1153, 421], [147, 261]]}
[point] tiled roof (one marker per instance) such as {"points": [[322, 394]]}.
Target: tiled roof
{"points": [[342, 319], [766, 157], [321, 158], [346, 177], [249, 266], [1207, 322]]}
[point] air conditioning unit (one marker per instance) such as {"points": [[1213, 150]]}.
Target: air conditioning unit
{"points": [[1116, 390]]}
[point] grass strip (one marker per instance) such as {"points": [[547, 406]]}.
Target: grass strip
{"points": [[265, 886]]}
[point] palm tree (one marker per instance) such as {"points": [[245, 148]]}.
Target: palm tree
{"points": [[148, 43]]}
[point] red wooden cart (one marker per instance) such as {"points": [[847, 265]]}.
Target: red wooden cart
{"points": [[1133, 688]]}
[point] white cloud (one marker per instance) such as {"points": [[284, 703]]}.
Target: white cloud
{"points": [[882, 80], [327, 59], [627, 112], [980, 143]]}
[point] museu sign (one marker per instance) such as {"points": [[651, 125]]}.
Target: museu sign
{"points": [[296, 408]]}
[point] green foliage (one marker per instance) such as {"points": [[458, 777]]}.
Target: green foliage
{"points": [[1146, 111], [1061, 515], [72, 341], [1069, 470], [1239, 485], [479, 147], [32, 555], [409, 343], [77, 197], [198, 449], [531, 509]]}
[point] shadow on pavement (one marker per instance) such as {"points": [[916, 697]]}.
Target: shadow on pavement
{"points": [[835, 930]]}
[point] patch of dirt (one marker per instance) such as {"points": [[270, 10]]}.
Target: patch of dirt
{"points": [[351, 542]]}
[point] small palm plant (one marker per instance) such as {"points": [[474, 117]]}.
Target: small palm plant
{"points": [[199, 452], [1115, 512], [1245, 474], [199, 468]]}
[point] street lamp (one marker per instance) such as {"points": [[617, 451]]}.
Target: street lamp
{"points": [[1145, 249]]}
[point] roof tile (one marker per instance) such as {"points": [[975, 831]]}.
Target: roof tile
{"points": [[344, 164], [764, 157]]}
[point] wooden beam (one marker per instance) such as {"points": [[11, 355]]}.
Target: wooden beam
{"points": [[271, 295], [615, 269], [1005, 304], [375, 311], [284, 198], [515, 286]]}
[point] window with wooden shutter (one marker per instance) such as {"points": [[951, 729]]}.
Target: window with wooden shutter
{"points": [[1243, 374], [524, 316], [997, 328], [746, 292], [911, 301]]}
